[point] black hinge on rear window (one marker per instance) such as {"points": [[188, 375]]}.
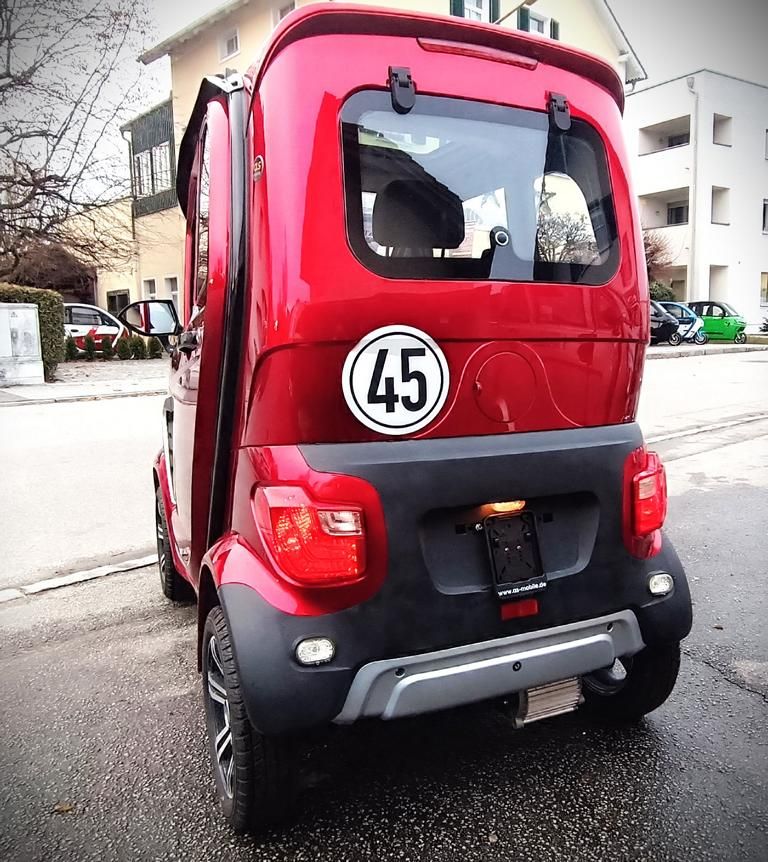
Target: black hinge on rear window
{"points": [[402, 88], [559, 112]]}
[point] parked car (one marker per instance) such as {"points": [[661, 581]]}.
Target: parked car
{"points": [[663, 324], [690, 325], [400, 469], [721, 321], [81, 320]]}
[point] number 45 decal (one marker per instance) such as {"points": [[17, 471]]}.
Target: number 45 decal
{"points": [[389, 398], [395, 380]]}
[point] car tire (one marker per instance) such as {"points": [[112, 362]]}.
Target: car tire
{"points": [[174, 586], [675, 339], [255, 775], [740, 338], [641, 684], [701, 337]]}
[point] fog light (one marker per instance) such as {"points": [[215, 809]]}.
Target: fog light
{"points": [[315, 651], [660, 584]]}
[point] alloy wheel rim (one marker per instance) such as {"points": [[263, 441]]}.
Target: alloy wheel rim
{"points": [[220, 715]]}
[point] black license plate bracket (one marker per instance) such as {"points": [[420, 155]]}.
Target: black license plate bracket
{"points": [[513, 547]]}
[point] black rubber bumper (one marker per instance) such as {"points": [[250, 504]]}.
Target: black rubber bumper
{"points": [[417, 610]]}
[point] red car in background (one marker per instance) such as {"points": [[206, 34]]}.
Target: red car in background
{"points": [[81, 320]]}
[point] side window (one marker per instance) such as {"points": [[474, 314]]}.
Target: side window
{"points": [[716, 311], [565, 231], [85, 316], [202, 223]]}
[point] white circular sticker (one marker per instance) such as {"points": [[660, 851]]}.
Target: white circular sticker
{"points": [[395, 380]]}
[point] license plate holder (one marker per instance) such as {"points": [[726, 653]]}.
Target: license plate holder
{"points": [[513, 548]]}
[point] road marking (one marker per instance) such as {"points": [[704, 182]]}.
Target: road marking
{"points": [[43, 586], [704, 429]]}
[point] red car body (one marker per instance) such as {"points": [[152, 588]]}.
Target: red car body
{"points": [[544, 384]]}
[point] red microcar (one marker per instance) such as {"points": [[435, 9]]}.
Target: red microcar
{"points": [[400, 469]]}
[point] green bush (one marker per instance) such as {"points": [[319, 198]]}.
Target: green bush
{"points": [[89, 346], [155, 350], [764, 325], [70, 349], [661, 293], [138, 347], [124, 347], [107, 350], [51, 315]]}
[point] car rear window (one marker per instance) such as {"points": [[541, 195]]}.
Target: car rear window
{"points": [[457, 189]]}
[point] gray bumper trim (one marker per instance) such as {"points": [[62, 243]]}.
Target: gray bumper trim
{"points": [[411, 685]]}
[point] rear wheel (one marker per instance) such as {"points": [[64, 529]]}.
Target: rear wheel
{"points": [[675, 339], [173, 585], [701, 337], [634, 685], [255, 775], [741, 338]]}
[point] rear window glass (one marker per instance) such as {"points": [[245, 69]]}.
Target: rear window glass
{"points": [[465, 190]]}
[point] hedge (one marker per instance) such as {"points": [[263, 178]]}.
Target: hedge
{"points": [[51, 315]]}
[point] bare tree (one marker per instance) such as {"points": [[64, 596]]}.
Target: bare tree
{"points": [[564, 237], [64, 76], [658, 255]]}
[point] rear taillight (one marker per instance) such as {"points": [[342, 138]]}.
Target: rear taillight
{"points": [[645, 503], [311, 544]]}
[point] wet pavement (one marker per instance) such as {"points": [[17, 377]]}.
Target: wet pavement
{"points": [[102, 718]]}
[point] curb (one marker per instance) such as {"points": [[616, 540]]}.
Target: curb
{"points": [[69, 398], [673, 353], [11, 594]]}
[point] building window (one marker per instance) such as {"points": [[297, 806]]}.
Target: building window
{"points": [[764, 288], [765, 216], [161, 167], [478, 10], [149, 288], [677, 212], [721, 205], [229, 44], [117, 300], [678, 140], [171, 284], [537, 24], [142, 173], [283, 12], [721, 130]]}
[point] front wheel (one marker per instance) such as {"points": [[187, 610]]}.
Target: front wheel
{"points": [[701, 337], [254, 775], [634, 685], [675, 339], [740, 338]]}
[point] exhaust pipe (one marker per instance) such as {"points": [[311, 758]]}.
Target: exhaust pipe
{"points": [[546, 701]]}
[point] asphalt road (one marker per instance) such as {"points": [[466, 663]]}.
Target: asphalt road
{"points": [[101, 715]]}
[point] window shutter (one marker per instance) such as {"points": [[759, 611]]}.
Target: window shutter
{"points": [[494, 13], [523, 19], [554, 29], [457, 8]]}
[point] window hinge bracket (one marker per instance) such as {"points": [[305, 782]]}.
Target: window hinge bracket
{"points": [[402, 88], [559, 112]]}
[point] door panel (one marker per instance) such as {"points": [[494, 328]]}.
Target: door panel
{"points": [[195, 361]]}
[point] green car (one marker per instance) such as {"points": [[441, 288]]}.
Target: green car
{"points": [[721, 322]]}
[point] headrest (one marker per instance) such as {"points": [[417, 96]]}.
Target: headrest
{"points": [[417, 214]]}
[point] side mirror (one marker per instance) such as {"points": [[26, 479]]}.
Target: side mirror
{"points": [[151, 317]]}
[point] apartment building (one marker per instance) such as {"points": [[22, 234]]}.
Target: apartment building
{"points": [[230, 39], [700, 162]]}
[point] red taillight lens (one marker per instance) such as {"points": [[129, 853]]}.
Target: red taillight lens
{"points": [[312, 544], [645, 503]]}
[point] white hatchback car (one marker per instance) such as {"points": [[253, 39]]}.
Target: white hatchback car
{"points": [[81, 320]]}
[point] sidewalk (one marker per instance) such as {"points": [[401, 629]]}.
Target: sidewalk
{"points": [[666, 351], [82, 380]]}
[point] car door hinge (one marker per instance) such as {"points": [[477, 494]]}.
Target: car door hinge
{"points": [[559, 112], [402, 88]]}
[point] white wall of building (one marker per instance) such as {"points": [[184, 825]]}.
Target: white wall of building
{"points": [[726, 255]]}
